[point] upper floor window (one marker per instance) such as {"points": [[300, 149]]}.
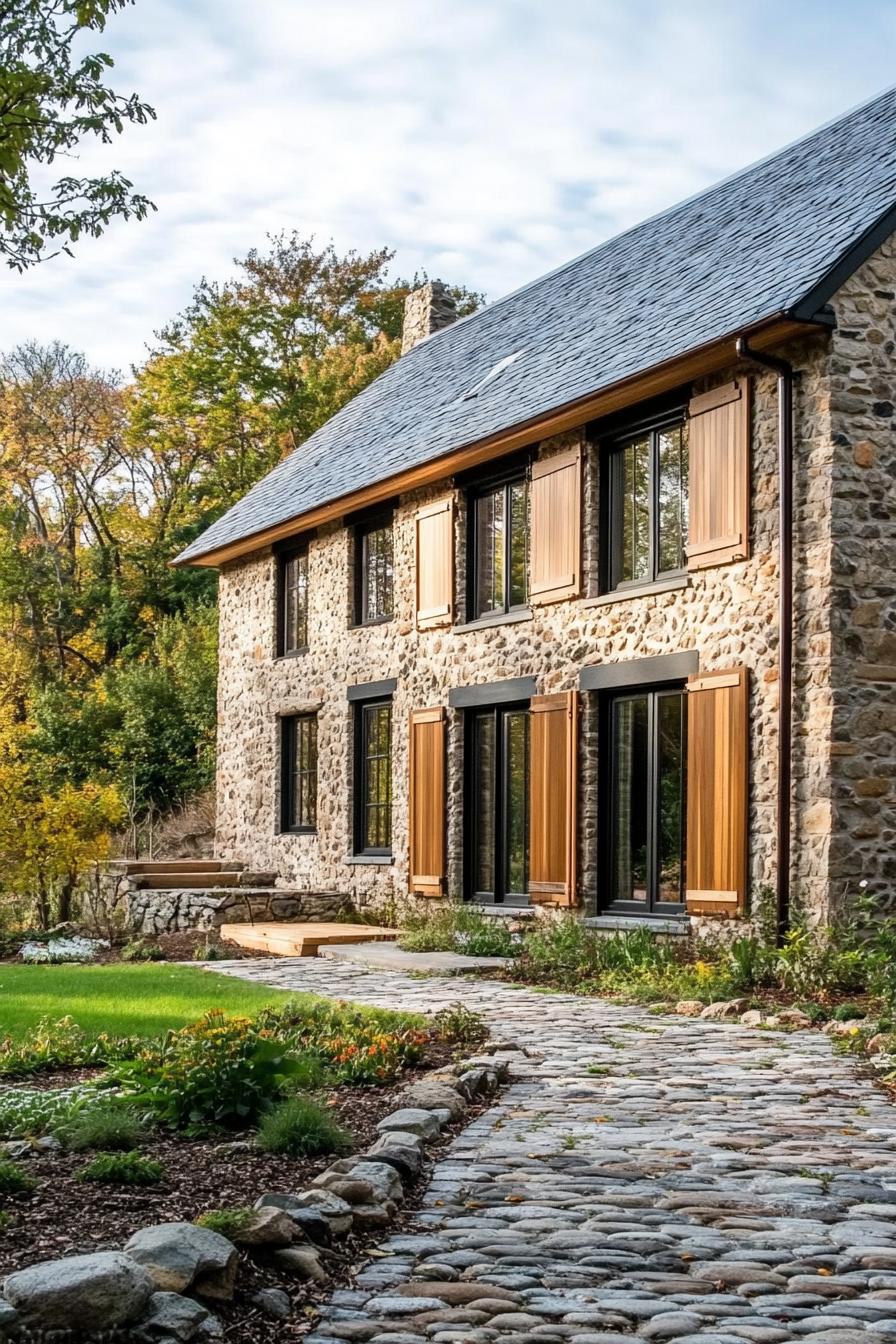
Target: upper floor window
{"points": [[373, 777], [298, 795], [292, 616], [645, 512], [374, 572], [499, 561]]}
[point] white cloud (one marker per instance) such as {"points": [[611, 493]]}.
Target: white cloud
{"points": [[487, 140]]}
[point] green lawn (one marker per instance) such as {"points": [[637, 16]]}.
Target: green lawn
{"points": [[132, 1000]]}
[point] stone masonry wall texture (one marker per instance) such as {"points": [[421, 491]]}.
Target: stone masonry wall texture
{"points": [[845, 643]]}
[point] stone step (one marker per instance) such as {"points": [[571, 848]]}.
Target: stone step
{"points": [[193, 879], [147, 867], [302, 940]]}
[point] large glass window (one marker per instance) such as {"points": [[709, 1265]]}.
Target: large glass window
{"points": [[292, 622], [499, 561], [373, 777], [646, 506], [374, 574], [498, 804], [298, 810], [645, 785]]}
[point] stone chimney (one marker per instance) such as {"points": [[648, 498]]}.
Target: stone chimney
{"points": [[426, 310]]}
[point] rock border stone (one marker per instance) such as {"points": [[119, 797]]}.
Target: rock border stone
{"points": [[153, 1283]]}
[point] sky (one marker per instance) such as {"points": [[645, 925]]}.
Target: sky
{"points": [[486, 141]]}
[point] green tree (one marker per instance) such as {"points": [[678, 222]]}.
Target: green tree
{"points": [[256, 365], [50, 101]]}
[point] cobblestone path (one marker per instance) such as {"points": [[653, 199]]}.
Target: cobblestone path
{"points": [[642, 1177]]}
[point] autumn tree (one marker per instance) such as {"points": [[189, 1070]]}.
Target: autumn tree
{"points": [[50, 101]]}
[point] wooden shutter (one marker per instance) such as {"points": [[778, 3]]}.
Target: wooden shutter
{"points": [[719, 475], [718, 709], [435, 564], [552, 798], [555, 563], [426, 805]]}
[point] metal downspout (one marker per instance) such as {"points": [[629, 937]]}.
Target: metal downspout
{"points": [[784, 372]]}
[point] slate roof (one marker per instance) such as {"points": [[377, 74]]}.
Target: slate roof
{"points": [[777, 238]]}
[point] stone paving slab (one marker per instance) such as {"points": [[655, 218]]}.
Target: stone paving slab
{"points": [[388, 957], [642, 1178]]}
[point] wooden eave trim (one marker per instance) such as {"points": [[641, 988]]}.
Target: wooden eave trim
{"points": [[628, 392]]}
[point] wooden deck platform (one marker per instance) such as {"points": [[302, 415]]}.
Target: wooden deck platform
{"points": [[302, 940]]}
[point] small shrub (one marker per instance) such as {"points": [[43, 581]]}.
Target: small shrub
{"points": [[219, 1072], [13, 1180], [27, 1113], [301, 1127], [847, 1012], [61, 1044], [455, 927], [110, 1125], [459, 1025], [5, 1220], [122, 1169], [142, 949], [208, 952], [228, 1222]]}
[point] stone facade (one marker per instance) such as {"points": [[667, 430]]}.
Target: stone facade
{"points": [[843, 794]]}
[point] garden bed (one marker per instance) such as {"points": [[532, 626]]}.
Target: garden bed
{"points": [[65, 1216]]}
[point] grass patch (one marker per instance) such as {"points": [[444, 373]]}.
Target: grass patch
{"points": [[122, 1169], [301, 1127], [13, 1180], [228, 1223], [455, 927], [141, 999], [110, 1126]]}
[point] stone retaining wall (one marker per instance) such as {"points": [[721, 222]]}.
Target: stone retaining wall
{"points": [[153, 912]]}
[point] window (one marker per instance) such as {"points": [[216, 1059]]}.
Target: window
{"points": [[298, 796], [292, 622], [374, 578], [645, 786], [499, 528], [498, 804], [646, 505], [373, 777]]}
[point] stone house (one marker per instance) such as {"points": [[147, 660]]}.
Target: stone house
{"points": [[590, 599]]}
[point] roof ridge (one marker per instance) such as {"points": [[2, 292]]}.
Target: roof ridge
{"points": [[668, 210]]}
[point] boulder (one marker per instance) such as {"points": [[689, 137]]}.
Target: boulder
{"points": [[336, 1211], [752, 1018], [724, 1008], [269, 1226], [689, 1007], [478, 1083], [181, 1256], [434, 1096], [84, 1293], [301, 1262], [381, 1178], [794, 1017], [274, 1303], [405, 1157], [372, 1217], [411, 1120], [171, 1316]]}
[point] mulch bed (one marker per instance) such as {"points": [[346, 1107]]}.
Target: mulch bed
{"points": [[63, 1216]]}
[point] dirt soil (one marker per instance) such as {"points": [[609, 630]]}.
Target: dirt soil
{"points": [[64, 1216]]}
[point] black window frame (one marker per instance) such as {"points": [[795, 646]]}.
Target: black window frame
{"points": [[361, 775], [500, 896], [284, 558], [290, 788], [652, 907], [380, 522], [481, 489], [612, 450]]}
